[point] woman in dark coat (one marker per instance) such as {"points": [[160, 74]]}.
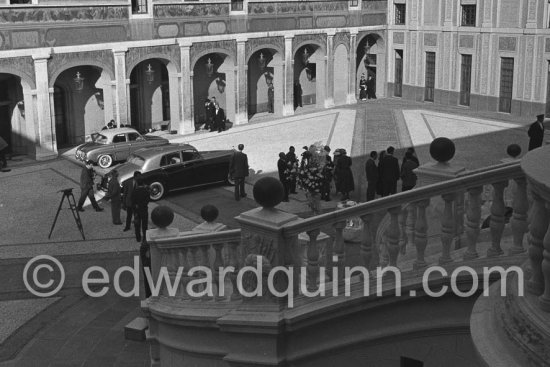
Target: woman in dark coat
{"points": [[344, 175]]}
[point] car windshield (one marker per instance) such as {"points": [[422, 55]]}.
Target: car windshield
{"points": [[136, 160], [100, 139]]}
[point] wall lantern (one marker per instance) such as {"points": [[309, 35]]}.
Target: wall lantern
{"points": [[261, 61], [99, 98], [21, 107], [149, 74], [209, 68], [309, 74], [305, 57], [78, 82], [221, 85], [268, 77]]}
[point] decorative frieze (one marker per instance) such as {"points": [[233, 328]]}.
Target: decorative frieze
{"points": [[507, 43], [319, 39], [297, 7], [191, 10], [201, 48], [254, 44], [19, 66], [137, 54], [331, 21], [46, 14], [62, 61]]}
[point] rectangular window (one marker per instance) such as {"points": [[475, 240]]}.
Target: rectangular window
{"points": [[354, 3], [237, 5], [400, 13], [139, 7], [398, 86], [506, 84], [468, 15], [430, 77], [20, 1], [465, 80]]}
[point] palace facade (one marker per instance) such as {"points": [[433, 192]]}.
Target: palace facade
{"points": [[69, 67]]}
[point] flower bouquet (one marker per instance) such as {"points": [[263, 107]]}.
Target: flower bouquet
{"points": [[310, 175]]}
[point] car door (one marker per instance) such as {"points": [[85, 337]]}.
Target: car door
{"points": [[135, 142], [121, 147], [207, 170]]}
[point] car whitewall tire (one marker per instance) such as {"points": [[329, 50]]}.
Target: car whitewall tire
{"points": [[105, 161], [156, 190]]}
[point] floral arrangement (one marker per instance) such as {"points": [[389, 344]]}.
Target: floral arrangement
{"points": [[310, 173]]}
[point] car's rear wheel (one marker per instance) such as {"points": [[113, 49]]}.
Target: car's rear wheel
{"points": [[105, 161], [230, 180], [156, 190]]}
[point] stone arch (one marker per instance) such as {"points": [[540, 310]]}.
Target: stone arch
{"points": [[370, 56], [27, 82], [75, 63], [215, 50], [321, 45], [171, 65], [379, 38], [265, 86], [267, 46]]}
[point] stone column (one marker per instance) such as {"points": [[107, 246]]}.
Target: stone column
{"points": [[329, 98], [241, 115], [121, 96], [278, 82], [352, 96], [174, 85], [288, 106], [45, 140], [186, 124]]}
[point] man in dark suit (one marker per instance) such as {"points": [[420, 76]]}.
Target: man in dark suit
{"points": [[127, 191], [371, 171], [292, 160], [113, 194], [140, 199], [282, 167], [87, 188], [389, 173], [238, 169], [219, 118], [536, 133]]}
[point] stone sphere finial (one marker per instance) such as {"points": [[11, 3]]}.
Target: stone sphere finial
{"points": [[442, 149], [209, 213], [268, 192], [162, 216]]}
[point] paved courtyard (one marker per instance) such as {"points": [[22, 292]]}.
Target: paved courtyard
{"points": [[74, 330]]}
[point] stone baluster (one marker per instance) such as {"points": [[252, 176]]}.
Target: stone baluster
{"points": [[498, 210], [217, 265], [519, 216], [172, 266], [545, 267], [234, 262], [447, 228], [339, 249], [312, 260], [410, 224], [183, 254], [193, 261], [421, 234], [459, 220], [473, 221], [537, 229], [393, 235], [164, 262], [367, 241], [205, 261], [402, 226]]}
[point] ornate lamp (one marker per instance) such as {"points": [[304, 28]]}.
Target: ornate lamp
{"points": [[21, 107], [305, 57], [221, 85], [149, 74], [78, 82], [261, 61], [268, 77], [309, 74], [99, 99], [209, 68]]}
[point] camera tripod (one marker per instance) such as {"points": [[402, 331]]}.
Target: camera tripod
{"points": [[68, 193]]}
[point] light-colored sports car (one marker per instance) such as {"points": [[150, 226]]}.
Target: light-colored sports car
{"points": [[112, 145]]}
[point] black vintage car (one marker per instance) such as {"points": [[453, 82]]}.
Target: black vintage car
{"points": [[173, 167]]}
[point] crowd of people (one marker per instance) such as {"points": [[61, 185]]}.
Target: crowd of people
{"points": [[382, 170]]}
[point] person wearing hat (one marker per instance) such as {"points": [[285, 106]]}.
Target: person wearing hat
{"points": [[389, 172], [114, 194], [87, 187], [283, 169], [536, 133], [344, 176], [292, 162], [328, 169]]}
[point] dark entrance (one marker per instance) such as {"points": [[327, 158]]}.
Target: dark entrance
{"points": [[506, 84], [398, 86], [430, 77], [465, 80]]}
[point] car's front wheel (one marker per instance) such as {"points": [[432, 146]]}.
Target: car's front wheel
{"points": [[105, 161], [156, 190]]}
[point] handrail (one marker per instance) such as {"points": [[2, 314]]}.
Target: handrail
{"points": [[198, 239], [501, 172]]}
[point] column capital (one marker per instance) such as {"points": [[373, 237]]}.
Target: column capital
{"points": [[289, 37], [353, 32], [241, 40], [331, 33], [42, 56], [184, 43], [120, 50]]}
